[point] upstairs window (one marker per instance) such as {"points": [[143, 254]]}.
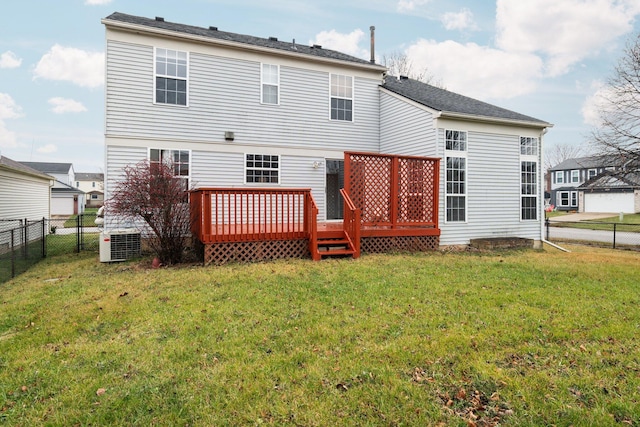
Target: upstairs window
{"points": [[262, 168], [592, 173], [270, 84], [575, 176], [560, 177], [528, 146], [171, 77], [341, 97]]}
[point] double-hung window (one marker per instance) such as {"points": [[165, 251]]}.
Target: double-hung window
{"points": [[270, 77], [528, 178], [575, 176], [566, 199], [171, 76], [341, 97], [456, 175], [178, 159], [592, 172], [560, 177], [262, 168]]}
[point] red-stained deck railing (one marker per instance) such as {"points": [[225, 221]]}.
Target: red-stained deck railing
{"points": [[351, 223], [252, 214]]}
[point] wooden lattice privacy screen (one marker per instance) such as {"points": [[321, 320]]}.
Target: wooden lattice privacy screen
{"points": [[394, 191]]}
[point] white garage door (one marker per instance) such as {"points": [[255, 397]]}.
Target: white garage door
{"points": [[62, 205], [609, 202]]}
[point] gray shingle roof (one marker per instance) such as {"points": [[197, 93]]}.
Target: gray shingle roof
{"points": [[48, 167], [216, 34], [18, 166], [613, 180], [589, 162], [450, 102], [89, 176]]}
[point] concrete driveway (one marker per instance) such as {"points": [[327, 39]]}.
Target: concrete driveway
{"points": [[584, 216]]}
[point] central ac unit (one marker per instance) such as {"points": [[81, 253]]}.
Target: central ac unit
{"points": [[119, 245]]}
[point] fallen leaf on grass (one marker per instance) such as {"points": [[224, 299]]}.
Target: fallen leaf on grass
{"points": [[124, 294], [101, 391]]}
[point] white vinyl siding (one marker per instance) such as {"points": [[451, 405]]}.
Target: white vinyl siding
{"points": [[23, 196], [224, 95], [405, 129]]}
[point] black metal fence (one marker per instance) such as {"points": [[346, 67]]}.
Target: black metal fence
{"points": [[610, 234], [23, 242]]}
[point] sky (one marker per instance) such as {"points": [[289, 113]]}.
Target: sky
{"points": [[548, 59]]}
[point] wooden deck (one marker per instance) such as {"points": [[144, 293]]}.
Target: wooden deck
{"points": [[389, 203]]}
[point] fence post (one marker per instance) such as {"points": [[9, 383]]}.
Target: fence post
{"points": [[614, 235], [78, 234], [24, 237], [13, 254], [44, 238], [546, 223]]}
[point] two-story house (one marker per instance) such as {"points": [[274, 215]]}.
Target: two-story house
{"points": [[93, 186], [241, 112], [570, 174]]}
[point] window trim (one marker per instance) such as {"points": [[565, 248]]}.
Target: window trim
{"points": [[528, 156], [262, 83], [172, 150], [266, 184], [167, 76], [460, 154], [575, 173], [572, 199], [559, 177], [595, 173], [332, 96]]}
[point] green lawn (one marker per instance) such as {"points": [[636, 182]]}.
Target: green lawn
{"points": [[522, 338]]}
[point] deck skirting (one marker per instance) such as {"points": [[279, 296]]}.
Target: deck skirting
{"points": [[266, 250]]}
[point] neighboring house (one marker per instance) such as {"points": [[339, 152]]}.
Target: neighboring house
{"points": [[238, 111], [65, 199], [93, 186], [24, 191], [570, 174], [611, 192]]}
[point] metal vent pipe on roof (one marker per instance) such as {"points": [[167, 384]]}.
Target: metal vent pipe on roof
{"points": [[373, 44]]}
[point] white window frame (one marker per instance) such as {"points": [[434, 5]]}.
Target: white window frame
{"points": [[591, 173], [171, 152], [559, 176], [455, 145], [247, 168], [340, 91], [264, 83], [571, 197], [529, 153], [575, 176], [175, 76]]}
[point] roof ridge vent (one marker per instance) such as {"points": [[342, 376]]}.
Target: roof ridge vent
{"points": [[159, 19], [273, 39], [212, 28], [403, 77], [316, 46]]}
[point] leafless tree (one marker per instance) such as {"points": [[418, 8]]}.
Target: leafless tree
{"points": [[619, 109], [399, 64], [561, 152], [150, 191]]}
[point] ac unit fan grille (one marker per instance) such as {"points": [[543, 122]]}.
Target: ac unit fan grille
{"points": [[125, 246]]}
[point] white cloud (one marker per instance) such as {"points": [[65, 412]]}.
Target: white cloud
{"points": [[64, 105], [8, 139], [9, 60], [49, 148], [8, 107], [346, 43], [80, 67], [462, 20], [493, 74], [97, 2], [406, 6], [564, 32], [8, 110]]}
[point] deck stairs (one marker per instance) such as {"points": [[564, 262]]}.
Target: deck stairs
{"points": [[333, 243]]}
